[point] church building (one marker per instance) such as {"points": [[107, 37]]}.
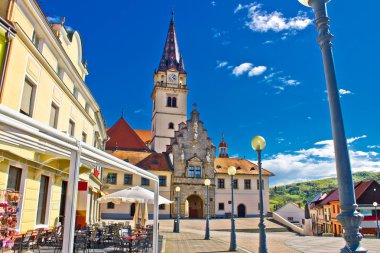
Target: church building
{"points": [[179, 150]]}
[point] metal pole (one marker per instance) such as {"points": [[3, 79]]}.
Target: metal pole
{"points": [[349, 217], [377, 224], [207, 235], [155, 218], [71, 202], [233, 246], [263, 239], [176, 223]]}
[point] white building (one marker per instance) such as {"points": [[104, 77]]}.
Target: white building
{"points": [[292, 212]]}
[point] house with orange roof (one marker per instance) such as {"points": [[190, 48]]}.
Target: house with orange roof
{"points": [[366, 192]]}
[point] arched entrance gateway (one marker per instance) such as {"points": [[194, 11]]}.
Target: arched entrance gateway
{"points": [[195, 207], [241, 210]]}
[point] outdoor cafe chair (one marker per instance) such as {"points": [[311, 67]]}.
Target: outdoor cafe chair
{"points": [[80, 242], [23, 242], [140, 244]]}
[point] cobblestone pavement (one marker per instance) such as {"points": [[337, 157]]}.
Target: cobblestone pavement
{"points": [[315, 244], [192, 233], [193, 242]]}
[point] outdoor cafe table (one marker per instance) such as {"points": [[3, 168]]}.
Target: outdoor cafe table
{"points": [[131, 239]]}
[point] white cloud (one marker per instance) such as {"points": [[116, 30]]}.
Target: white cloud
{"points": [[221, 64], [256, 71], [317, 162], [268, 42], [291, 82], [373, 146], [55, 19], [280, 81], [353, 139], [261, 21], [213, 3], [242, 68], [345, 92], [138, 111], [242, 7]]}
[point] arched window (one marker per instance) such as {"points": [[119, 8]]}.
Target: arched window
{"points": [[171, 125], [174, 102], [169, 102], [110, 205]]}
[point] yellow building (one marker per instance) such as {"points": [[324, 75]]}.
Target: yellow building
{"points": [[44, 78]]}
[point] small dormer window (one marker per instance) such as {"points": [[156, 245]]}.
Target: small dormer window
{"points": [[35, 40]]}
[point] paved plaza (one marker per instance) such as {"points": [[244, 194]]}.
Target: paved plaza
{"points": [[190, 239]]}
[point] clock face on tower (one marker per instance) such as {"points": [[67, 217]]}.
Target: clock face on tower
{"points": [[172, 78]]}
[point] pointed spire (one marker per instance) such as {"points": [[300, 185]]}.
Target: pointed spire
{"points": [[171, 58]]}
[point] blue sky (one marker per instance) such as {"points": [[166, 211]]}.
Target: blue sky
{"points": [[254, 68]]}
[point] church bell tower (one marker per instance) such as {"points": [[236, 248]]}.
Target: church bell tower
{"points": [[169, 93]]}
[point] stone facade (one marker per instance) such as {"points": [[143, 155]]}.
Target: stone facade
{"points": [[193, 156]]}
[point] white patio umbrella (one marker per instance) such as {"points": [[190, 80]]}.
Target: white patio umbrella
{"points": [[141, 214], [134, 194]]}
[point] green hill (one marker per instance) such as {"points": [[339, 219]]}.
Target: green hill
{"points": [[305, 191]]}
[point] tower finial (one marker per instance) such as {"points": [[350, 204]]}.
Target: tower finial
{"points": [[122, 112], [195, 106], [172, 7], [223, 148]]}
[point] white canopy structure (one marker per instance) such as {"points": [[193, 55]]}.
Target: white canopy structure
{"points": [[25, 132], [134, 194]]}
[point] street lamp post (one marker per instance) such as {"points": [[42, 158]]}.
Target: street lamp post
{"points": [[349, 217], [233, 246], [207, 234], [258, 144], [377, 221], [176, 221]]}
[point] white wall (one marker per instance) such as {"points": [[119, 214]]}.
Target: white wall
{"points": [[293, 211], [249, 198]]}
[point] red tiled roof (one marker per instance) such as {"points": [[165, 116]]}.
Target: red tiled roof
{"points": [[144, 160], [122, 136], [145, 135], [243, 166], [359, 187], [155, 161]]}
